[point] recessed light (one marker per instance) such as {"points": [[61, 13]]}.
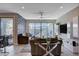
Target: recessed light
{"points": [[61, 7], [22, 7]]}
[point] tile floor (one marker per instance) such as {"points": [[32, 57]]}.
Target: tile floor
{"points": [[25, 50]]}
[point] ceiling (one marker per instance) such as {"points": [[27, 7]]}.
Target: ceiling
{"points": [[31, 10]]}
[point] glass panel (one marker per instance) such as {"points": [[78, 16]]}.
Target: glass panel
{"points": [[56, 29], [31, 28], [42, 30], [37, 30], [7, 29], [50, 30]]}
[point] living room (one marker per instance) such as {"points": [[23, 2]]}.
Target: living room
{"points": [[39, 29]]}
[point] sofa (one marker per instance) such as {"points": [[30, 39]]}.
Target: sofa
{"points": [[37, 51]]}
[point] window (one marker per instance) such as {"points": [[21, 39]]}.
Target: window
{"points": [[42, 30]]}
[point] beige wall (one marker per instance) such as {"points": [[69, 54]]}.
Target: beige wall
{"points": [[27, 26]]}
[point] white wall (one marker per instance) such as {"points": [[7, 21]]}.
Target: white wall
{"points": [[67, 38]]}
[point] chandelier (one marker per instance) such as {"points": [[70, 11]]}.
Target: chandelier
{"points": [[41, 13], [41, 17]]}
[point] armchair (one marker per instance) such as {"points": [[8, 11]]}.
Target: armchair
{"points": [[22, 39]]}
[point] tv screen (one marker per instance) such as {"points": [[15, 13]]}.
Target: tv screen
{"points": [[63, 28]]}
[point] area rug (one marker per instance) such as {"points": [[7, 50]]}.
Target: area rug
{"points": [[26, 49]]}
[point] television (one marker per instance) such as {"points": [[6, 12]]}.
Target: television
{"points": [[63, 28]]}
